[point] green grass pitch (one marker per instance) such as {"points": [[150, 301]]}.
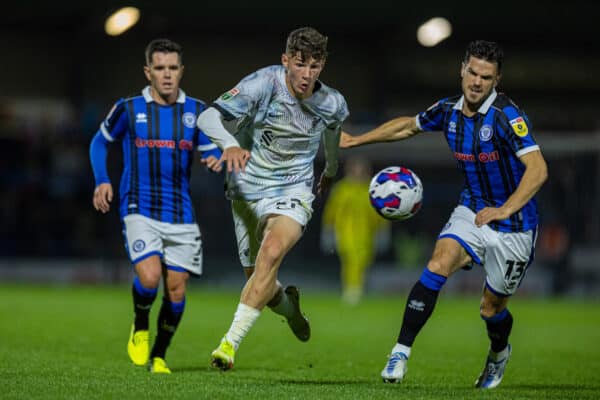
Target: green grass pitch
{"points": [[69, 343]]}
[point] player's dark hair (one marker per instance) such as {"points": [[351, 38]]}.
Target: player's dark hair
{"points": [[309, 42], [488, 51], [163, 46]]}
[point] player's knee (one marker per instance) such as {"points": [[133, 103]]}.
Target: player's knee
{"points": [[149, 278], [436, 267], [272, 250], [177, 294], [488, 310], [175, 283]]}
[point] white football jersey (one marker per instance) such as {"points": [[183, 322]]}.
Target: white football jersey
{"points": [[282, 132]]}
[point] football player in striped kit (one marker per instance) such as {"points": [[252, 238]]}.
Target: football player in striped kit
{"points": [[279, 114], [159, 137], [495, 222]]}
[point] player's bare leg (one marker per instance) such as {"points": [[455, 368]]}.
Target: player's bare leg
{"points": [[280, 234]]}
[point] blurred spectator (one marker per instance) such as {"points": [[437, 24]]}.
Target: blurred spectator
{"points": [[353, 228]]}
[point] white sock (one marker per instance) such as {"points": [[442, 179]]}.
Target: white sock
{"points": [[284, 307], [243, 319], [400, 348]]}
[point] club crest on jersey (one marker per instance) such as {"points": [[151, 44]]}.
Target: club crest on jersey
{"points": [[228, 95], [519, 126], [486, 132], [189, 119]]}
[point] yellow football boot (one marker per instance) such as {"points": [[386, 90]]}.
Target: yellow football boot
{"points": [[159, 366], [222, 357], [138, 347]]}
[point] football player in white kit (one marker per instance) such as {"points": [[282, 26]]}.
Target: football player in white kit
{"points": [[278, 115]]}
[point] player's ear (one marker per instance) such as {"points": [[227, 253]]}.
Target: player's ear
{"points": [[147, 72], [497, 81], [285, 60], [462, 69]]}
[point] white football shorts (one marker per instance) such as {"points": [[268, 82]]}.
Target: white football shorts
{"points": [[249, 217], [505, 256], [178, 245]]}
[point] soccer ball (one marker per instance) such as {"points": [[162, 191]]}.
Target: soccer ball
{"points": [[396, 193]]}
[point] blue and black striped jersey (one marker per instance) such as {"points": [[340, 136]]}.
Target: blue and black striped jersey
{"points": [[158, 143], [487, 147]]}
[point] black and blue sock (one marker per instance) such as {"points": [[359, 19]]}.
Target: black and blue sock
{"points": [[168, 319], [419, 305], [143, 298], [498, 329]]}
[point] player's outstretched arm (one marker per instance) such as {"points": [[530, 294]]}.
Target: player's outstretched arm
{"points": [[536, 173], [395, 129]]}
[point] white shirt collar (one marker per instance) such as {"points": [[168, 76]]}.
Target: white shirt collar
{"points": [[483, 109], [149, 99]]}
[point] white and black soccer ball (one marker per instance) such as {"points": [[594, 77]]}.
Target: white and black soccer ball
{"points": [[396, 193]]}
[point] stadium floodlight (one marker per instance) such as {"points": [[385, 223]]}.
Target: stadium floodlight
{"points": [[121, 20], [434, 31]]}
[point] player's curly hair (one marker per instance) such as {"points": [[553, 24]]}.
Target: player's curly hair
{"points": [[163, 46], [309, 42], [488, 51]]}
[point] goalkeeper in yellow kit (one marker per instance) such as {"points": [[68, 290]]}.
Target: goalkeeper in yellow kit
{"points": [[353, 227]]}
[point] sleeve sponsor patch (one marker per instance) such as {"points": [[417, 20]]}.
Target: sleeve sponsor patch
{"points": [[519, 126], [230, 94]]}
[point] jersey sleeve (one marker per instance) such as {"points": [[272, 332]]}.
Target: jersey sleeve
{"points": [[244, 99], [432, 119], [515, 128], [206, 147], [202, 142], [116, 122], [331, 135], [98, 153], [340, 115]]}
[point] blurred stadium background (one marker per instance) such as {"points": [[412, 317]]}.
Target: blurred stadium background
{"points": [[61, 74]]}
